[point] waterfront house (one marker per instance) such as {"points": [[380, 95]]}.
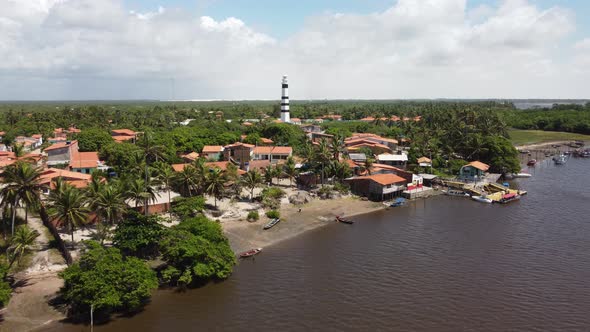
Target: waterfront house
{"points": [[212, 152], [61, 153], [377, 187], [473, 171], [124, 135]]}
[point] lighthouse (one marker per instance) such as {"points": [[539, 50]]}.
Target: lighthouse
{"points": [[285, 116]]}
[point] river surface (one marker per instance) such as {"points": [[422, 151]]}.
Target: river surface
{"points": [[441, 264]]}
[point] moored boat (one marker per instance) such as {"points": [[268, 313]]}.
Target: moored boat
{"points": [[398, 202], [532, 162], [560, 160], [250, 253], [272, 223], [343, 220], [482, 199], [507, 198], [455, 192], [522, 175]]}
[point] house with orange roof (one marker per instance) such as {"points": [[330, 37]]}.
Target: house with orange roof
{"points": [[190, 157], [239, 152], [212, 152], [377, 187], [76, 179], [29, 143], [376, 148], [272, 153], [86, 162], [473, 171], [211, 165], [61, 153], [296, 121], [424, 162], [124, 135], [368, 119]]}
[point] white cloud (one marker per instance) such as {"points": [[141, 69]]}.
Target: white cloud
{"points": [[63, 49]]}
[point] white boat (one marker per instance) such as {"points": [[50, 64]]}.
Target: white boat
{"points": [[454, 192], [560, 160], [482, 199], [522, 175]]}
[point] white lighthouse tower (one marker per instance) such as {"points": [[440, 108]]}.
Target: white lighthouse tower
{"points": [[285, 116]]}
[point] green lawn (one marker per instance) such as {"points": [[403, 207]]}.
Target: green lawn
{"points": [[521, 137]]}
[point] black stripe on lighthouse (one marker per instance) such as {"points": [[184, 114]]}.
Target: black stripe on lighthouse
{"points": [[285, 86]]}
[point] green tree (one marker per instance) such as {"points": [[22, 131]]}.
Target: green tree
{"points": [[187, 207], [187, 182], [214, 185], [138, 235], [20, 243], [93, 139], [68, 205], [289, 170], [5, 289], [106, 281], [165, 175], [22, 183], [252, 179]]}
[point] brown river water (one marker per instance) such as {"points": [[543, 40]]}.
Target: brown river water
{"points": [[441, 264]]}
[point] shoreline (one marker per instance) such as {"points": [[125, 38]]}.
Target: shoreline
{"points": [[244, 235], [543, 144]]}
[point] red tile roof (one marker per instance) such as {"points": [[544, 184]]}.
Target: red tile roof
{"points": [[123, 138], [479, 165], [84, 160], [126, 132], [212, 149], [383, 179], [273, 150], [266, 140], [179, 167]]}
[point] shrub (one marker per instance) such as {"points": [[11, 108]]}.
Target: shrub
{"points": [[341, 188], [325, 190], [187, 207], [138, 235], [253, 215], [273, 192], [272, 214]]}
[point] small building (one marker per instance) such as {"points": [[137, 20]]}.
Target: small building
{"points": [[357, 157], [296, 121], [378, 187], [212, 152], [272, 153], [124, 135], [86, 162], [61, 153], [76, 179], [190, 157], [424, 162], [311, 128], [239, 153], [391, 159], [473, 171]]}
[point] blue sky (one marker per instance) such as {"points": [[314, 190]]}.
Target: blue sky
{"points": [[239, 49]]}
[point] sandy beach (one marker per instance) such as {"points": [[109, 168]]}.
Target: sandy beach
{"points": [[244, 235]]}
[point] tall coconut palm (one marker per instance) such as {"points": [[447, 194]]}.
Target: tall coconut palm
{"points": [[20, 243], [289, 170], [337, 146], [165, 175], [22, 181], [215, 184], [323, 156], [109, 204], [186, 182], [140, 191], [252, 180], [68, 205]]}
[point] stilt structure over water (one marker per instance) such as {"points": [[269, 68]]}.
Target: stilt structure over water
{"points": [[285, 115]]}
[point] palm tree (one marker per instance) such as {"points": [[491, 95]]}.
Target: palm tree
{"points": [[268, 174], [20, 243], [69, 206], [165, 175], [19, 150], [252, 179], [109, 204], [22, 181], [323, 155], [368, 165], [337, 146], [290, 170], [186, 182], [139, 191], [215, 184]]}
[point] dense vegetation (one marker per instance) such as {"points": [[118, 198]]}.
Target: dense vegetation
{"points": [[568, 118]]}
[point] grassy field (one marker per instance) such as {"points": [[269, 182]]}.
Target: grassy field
{"points": [[521, 137]]}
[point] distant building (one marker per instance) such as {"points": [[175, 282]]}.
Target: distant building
{"points": [[212, 152], [124, 135], [272, 153], [61, 153]]}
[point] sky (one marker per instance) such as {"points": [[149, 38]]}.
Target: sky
{"points": [[331, 49]]}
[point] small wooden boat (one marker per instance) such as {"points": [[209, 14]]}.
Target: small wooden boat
{"points": [[507, 198], [522, 175], [250, 253], [343, 220], [560, 160], [482, 199], [532, 162], [272, 223], [398, 202]]}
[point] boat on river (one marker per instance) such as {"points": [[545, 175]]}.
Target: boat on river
{"points": [[344, 220], [532, 162], [560, 160], [455, 192], [272, 223], [482, 199], [398, 202], [250, 253], [522, 175], [507, 198]]}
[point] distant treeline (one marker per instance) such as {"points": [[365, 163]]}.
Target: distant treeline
{"points": [[571, 118]]}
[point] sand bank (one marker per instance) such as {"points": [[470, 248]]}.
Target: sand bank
{"points": [[244, 235]]}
